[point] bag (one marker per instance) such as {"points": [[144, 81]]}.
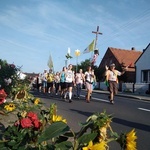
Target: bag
{"points": [[106, 83], [89, 82]]}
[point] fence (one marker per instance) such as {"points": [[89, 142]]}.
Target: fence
{"points": [[140, 88]]}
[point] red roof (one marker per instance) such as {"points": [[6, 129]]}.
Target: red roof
{"points": [[127, 57]]}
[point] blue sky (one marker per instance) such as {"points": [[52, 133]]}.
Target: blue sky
{"points": [[31, 30]]}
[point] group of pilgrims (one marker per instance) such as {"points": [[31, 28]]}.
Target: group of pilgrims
{"points": [[67, 83]]}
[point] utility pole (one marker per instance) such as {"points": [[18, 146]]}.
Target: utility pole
{"points": [[96, 32]]}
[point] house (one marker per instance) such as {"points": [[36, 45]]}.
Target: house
{"points": [[142, 65], [122, 58], [31, 75]]}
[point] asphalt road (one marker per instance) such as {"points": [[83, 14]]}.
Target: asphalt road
{"points": [[128, 113]]}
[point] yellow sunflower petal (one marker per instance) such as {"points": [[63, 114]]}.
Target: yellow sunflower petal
{"points": [[130, 140], [89, 147], [100, 146]]}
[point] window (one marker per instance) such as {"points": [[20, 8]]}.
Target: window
{"points": [[146, 76]]}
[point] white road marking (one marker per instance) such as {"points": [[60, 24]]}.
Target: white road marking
{"points": [[103, 100], [144, 109]]}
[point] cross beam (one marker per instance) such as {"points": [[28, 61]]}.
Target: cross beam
{"points": [[96, 32]]}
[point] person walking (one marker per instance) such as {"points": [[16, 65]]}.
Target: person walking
{"points": [[39, 79], [89, 77], [112, 80], [57, 82], [44, 81], [69, 82], [50, 82], [79, 80], [62, 82]]}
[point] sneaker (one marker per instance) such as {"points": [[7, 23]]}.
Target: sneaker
{"points": [[70, 100], [111, 101]]}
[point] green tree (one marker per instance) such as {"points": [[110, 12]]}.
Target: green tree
{"points": [[8, 76], [84, 65]]}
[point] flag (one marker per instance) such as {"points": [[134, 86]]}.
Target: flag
{"points": [[90, 48], [50, 62]]}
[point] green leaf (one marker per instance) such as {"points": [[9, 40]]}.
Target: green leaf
{"points": [[54, 130], [114, 135], [63, 145], [86, 138], [2, 145], [12, 143]]}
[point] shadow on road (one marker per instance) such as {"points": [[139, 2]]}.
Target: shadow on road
{"points": [[132, 124], [82, 112]]}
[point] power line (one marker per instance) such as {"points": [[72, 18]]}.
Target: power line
{"points": [[141, 18]]}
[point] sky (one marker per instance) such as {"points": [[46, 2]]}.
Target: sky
{"points": [[32, 30]]}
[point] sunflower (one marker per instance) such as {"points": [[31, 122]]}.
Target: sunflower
{"points": [[98, 146], [58, 118], [10, 107], [89, 147], [130, 140]]}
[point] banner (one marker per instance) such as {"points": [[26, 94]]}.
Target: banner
{"points": [[90, 48], [50, 62]]}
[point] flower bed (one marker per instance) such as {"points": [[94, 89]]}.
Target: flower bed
{"points": [[36, 127]]}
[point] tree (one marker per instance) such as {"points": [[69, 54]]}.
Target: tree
{"points": [[8, 76], [84, 65]]}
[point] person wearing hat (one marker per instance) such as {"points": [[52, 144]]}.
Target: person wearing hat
{"points": [[112, 80]]}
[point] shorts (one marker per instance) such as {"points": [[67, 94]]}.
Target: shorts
{"points": [[44, 83], [113, 87], [50, 84], [69, 84], [89, 86], [63, 85]]}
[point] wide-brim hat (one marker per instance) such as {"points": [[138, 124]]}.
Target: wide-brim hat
{"points": [[112, 65]]}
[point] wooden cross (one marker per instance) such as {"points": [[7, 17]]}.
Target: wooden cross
{"points": [[96, 32]]}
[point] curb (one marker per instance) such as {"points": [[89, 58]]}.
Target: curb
{"points": [[144, 98]]}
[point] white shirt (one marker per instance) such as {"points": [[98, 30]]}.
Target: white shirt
{"points": [[44, 76], [89, 76], [69, 76], [112, 75]]}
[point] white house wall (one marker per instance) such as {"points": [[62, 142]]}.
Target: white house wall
{"points": [[143, 64]]}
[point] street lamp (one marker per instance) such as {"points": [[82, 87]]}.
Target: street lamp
{"points": [[77, 54]]}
